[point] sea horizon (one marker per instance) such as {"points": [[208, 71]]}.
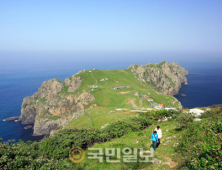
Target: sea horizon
{"points": [[15, 84]]}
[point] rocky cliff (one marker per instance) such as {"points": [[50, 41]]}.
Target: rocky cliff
{"points": [[54, 105], [166, 78], [58, 102]]}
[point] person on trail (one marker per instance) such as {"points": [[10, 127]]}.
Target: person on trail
{"points": [[154, 139], [159, 132]]}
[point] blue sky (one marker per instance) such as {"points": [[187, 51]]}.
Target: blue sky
{"points": [[114, 25]]}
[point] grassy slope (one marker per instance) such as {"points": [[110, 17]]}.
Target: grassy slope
{"points": [[106, 97], [97, 117], [140, 139], [111, 99]]}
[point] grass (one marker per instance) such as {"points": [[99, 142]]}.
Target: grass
{"points": [[111, 99], [54, 117], [97, 117], [42, 100], [64, 90], [139, 139], [105, 96]]}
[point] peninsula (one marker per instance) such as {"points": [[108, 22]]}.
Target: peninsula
{"points": [[137, 88]]}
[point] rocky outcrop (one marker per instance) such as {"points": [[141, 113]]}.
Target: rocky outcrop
{"points": [[57, 102], [28, 127], [166, 78], [74, 83], [12, 118], [54, 105]]}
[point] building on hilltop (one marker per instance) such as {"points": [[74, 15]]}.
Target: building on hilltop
{"points": [[121, 87], [149, 100], [93, 86]]}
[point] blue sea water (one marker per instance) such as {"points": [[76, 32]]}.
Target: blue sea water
{"points": [[204, 88]]}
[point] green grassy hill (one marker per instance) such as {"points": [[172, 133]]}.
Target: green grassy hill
{"points": [[105, 96], [185, 144], [116, 118], [129, 100], [58, 102], [97, 117]]}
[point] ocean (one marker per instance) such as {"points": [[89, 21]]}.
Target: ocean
{"points": [[204, 87]]}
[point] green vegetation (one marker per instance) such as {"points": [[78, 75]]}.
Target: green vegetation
{"points": [[201, 143], [42, 100], [185, 144], [64, 90], [99, 117], [53, 152], [55, 117], [105, 96]]}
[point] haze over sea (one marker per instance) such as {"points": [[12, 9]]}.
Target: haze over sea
{"points": [[22, 76]]}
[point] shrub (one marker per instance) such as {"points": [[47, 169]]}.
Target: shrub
{"points": [[201, 143], [51, 151]]}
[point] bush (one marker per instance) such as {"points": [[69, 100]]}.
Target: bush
{"points": [[50, 152], [201, 143], [184, 119]]}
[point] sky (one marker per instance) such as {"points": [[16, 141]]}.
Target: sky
{"points": [[55, 31], [117, 25]]}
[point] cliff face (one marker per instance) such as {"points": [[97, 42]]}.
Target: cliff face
{"points": [[166, 78], [58, 102], [54, 105]]}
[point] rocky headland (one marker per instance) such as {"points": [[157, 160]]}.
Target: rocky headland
{"points": [[54, 105], [58, 102], [166, 78]]}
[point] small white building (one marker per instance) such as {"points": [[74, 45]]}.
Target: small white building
{"points": [[170, 108], [93, 86], [196, 112]]}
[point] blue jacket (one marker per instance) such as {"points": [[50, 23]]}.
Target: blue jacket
{"points": [[154, 137]]}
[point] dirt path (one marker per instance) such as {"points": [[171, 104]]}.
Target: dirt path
{"points": [[132, 102], [124, 92], [94, 78], [141, 102], [169, 159]]}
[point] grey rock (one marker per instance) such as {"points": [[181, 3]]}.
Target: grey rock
{"points": [[74, 83], [155, 161], [45, 128], [12, 118], [166, 77], [49, 88], [102, 127], [28, 114], [28, 127], [49, 108]]}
